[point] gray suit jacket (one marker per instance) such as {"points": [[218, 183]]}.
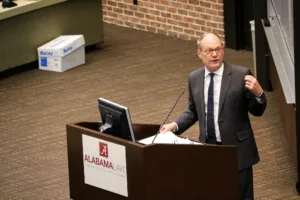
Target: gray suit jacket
{"points": [[235, 103]]}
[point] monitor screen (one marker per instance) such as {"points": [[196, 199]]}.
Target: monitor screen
{"points": [[116, 120]]}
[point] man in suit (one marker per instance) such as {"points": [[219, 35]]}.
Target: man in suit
{"points": [[220, 97]]}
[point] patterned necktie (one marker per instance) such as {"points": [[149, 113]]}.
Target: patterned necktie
{"points": [[210, 122]]}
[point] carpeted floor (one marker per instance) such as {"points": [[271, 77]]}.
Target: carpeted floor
{"points": [[143, 71]]}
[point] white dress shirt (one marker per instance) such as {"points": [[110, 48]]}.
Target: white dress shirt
{"points": [[217, 89]]}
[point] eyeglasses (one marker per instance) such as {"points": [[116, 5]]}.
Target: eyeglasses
{"points": [[217, 50]]}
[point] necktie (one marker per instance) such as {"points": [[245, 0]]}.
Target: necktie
{"points": [[210, 121]]}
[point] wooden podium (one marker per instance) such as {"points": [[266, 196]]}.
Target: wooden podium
{"points": [[158, 171]]}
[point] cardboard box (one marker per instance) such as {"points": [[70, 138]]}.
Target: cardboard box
{"points": [[62, 53]]}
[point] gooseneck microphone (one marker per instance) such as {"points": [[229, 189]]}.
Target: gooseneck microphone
{"points": [[168, 115]]}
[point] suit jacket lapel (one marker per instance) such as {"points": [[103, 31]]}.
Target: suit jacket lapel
{"points": [[226, 79], [201, 89]]}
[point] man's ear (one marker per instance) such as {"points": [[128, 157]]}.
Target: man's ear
{"points": [[199, 53]]}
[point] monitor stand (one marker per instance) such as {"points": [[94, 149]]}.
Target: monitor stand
{"points": [[107, 127]]}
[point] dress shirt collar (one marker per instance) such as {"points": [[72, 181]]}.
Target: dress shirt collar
{"points": [[219, 72]]}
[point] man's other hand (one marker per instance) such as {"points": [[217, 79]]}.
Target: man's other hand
{"points": [[169, 127], [252, 84]]}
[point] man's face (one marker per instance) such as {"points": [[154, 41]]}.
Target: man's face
{"points": [[211, 52]]}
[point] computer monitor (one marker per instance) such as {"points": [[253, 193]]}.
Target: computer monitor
{"points": [[116, 120]]}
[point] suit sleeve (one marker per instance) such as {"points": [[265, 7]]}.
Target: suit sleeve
{"points": [[189, 116], [256, 108]]}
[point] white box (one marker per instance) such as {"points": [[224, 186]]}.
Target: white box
{"points": [[62, 53]]}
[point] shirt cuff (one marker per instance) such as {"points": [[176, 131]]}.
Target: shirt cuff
{"points": [[259, 98]]}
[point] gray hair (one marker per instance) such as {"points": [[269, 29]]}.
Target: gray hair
{"points": [[199, 41]]}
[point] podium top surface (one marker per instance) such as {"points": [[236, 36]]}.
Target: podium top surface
{"points": [[141, 131]]}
